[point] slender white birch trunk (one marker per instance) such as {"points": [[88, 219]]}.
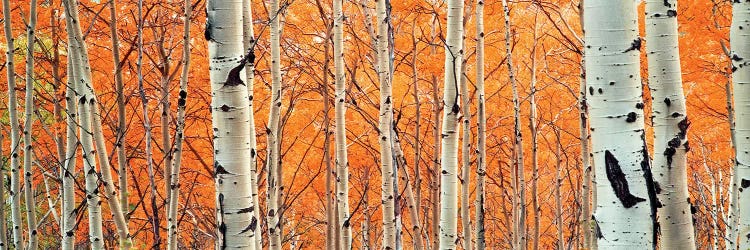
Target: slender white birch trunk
{"points": [[3, 225], [385, 119], [465, 160], [449, 138], [174, 185], [342, 163], [274, 182], [69, 212], [120, 133], [670, 126], [15, 137], [249, 44], [82, 71], [739, 37], [520, 230], [28, 162], [534, 146], [481, 131], [626, 202], [230, 115]]}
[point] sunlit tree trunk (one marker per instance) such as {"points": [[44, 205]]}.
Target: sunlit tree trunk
{"points": [[3, 227], [626, 202], [534, 146], [410, 199], [69, 212], [418, 232], [342, 163], [273, 133], [739, 38], [29, 129], [436, 109], [121, 126], [332, 230], [670, 125], [520, 230], [559, 219], [230, 115], [449, 138], [465, 160], [174, 185], [385, 132], [249, 43], [481, 130], [15, 137]]}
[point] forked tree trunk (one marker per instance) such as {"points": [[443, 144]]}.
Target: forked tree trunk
{"points": [[449, 138], [342, 162], [481, 131], [174, 185], [626, 202], [15, 137], [28, 131], [739, 37], [670, 125], [273, 134], [230, 115]]}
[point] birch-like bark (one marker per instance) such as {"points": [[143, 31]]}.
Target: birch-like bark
{"points": [[83, 73], [481, 130], [230, 117], [559, 219], [274, 134], [626, 202], [520, 225], [249, 44], [69, 212], [418, 232], [534, 146], [739, 38], [121, 126], [3, 225], [342, 162], [174, 185], [385, 119], [465, 160], [410, 197], [28, 162], [449, 137], [586, 226], [436, 109], [670, 125], [15, 137]]}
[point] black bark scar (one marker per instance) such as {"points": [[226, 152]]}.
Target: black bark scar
{"points": [[618, 181]]}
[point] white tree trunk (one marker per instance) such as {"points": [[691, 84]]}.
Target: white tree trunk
{"points": [[174, 185], [230, 115], [3, 219], [670, 126], [449, 138], [626, 202], [274, 182], [15, 137], [28, 131], [121, 124], [342, 163], [481, 130], [465, 160], [739, 38]]}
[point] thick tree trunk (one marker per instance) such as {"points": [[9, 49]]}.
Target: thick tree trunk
{"points": [[28, 153], [670, 125], [230, 115], [449, 139], [273, 134], [626, 202], [481, 131], [15, 137], [174, 185], [342, 162], [739, 38]]}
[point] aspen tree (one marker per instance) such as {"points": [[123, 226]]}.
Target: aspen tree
{"points": [[28, 153], [449, 137], [342, 163], [273, 134], [481, 130], [3, 223], [534, 146], [520, 230], [15, 137], [249, 43], [121, 125], [69, 212], [626, 202], [740, 54], [465, 159], [436, 109], [670, 126], [174, 185], [230, 118]]}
